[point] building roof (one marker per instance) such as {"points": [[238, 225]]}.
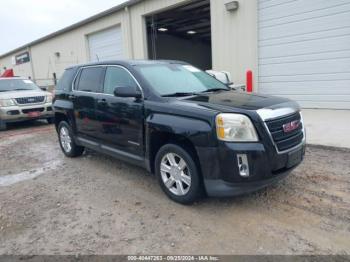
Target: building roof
{"points": [[74, 26]]}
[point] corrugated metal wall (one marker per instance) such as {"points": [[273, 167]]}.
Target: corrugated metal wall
{"points": [[106, 45], [304, 51]]}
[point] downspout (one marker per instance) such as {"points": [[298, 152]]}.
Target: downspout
{"points": [[130, 38], [29, 49]]}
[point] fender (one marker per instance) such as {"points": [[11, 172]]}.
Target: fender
{"points": [[62, 105], [66, 108], [199, 132]]}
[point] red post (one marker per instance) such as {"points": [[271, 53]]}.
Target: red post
{"points": [[249, 83]]}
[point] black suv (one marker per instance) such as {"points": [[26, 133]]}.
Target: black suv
{"points": [[192, 131]]}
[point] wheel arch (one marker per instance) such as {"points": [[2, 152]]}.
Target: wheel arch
{"points": [[59, 117], [159, 138], [64, 111], [186, 132]]}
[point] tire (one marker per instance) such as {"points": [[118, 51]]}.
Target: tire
{"points": [[66, 140], [50, 120], [181, 180], [3, 126]]}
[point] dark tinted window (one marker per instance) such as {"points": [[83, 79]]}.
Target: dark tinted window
{"points": [[65, 81], [117, 76], [91, 79]]}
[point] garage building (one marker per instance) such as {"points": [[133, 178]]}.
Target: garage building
{"points": [[295, 48]]}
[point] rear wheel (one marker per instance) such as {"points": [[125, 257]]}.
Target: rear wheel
{"points": [[178, 174], [66, 139]]}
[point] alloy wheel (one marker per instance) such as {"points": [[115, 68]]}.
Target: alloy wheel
{"points": [[175, 174], [66, 140]]}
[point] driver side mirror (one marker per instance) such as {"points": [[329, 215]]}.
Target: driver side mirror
{"points": [[127, 91]]}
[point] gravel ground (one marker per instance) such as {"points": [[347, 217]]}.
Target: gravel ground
{"points": [[94, 204]]}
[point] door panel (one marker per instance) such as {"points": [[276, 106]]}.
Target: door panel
{"points": [[120, 120], [89, 84], [121, 123], [84, 110]]}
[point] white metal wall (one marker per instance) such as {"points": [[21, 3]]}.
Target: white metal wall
{"points": [[304, 51], [234, 39], [106, 45]]}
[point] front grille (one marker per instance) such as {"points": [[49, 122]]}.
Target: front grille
{"points": [[26, 111], [30, 100], [285, 140]]}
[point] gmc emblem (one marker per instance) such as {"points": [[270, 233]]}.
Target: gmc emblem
{"points": [[289, 127]]}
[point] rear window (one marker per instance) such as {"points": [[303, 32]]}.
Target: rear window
{"points": [[91, 79], [66, 80]]}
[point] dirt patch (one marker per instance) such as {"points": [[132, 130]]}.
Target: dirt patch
{"points": [[98, 205]]}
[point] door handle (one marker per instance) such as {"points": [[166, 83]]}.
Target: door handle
{"points": [[102, 102], [72, 97]]}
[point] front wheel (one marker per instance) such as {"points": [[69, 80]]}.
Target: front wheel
{"points": [[178, 174], [68, 146]]}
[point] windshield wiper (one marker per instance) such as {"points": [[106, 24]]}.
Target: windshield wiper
{"points": [[215, 89], [180, 94], [177, 94]]}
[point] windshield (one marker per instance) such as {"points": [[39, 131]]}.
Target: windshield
{"points": [[172, 79], [17, 84]]}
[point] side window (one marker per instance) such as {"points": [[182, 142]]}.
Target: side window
{"points": [[91, 79], [65, 81], [116, 76]]}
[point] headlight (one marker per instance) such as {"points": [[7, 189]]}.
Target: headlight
{"points": [[49, 99], [235, 127], [7, 102]]}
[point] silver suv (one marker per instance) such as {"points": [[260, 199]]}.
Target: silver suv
{"points": [[21, 99]]}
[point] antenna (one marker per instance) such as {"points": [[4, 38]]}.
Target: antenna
{"points": [[98, 59]]}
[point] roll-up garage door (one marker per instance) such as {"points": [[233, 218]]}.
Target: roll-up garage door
{"points": [[106, 45], [304, 51]]}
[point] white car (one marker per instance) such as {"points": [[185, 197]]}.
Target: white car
{"points": [[21, 100], [225, 77]]}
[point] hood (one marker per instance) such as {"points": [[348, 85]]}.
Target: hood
{"points": [[22, 93], [236, 99]]}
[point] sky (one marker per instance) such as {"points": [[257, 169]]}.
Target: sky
{"points": [[22, 21]]}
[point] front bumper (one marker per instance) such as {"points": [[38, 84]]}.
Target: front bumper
{"points": [[221, 188], [23, 113], [221, 173]]}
